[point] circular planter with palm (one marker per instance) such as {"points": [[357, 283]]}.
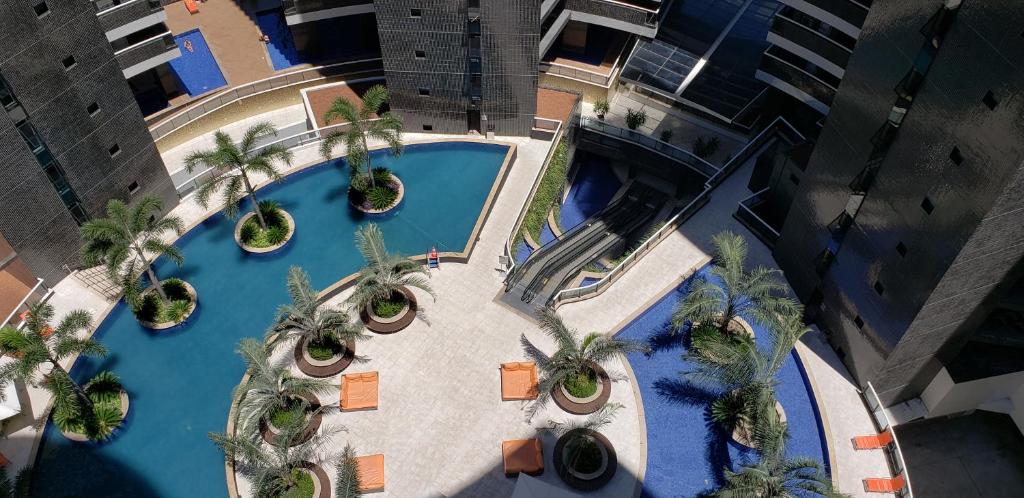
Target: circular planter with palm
{"points": [[584, 458], [229, 168], [122, 242], [573, 375], [92, 412], [371, 190], [382, 296], [325, 337]]}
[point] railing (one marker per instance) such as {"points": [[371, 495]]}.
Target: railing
{"points": [[892, 451], [799, 79], [217, 101], [604, 80], [303, 6], [145, 50], [684, 156], [811, 40], [846, 10], [620, 11], [778, 128], [103, 7], [26, 300], [757, 224]]}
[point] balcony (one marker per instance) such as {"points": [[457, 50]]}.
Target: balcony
{"points": [[147, 54], [847, 11], [758, 215], [796, 83], [636, 16], [811, 40], [114, 14], [302, 11]]}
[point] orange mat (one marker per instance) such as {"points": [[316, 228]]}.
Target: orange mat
{"points": [[522, 455], [359, 391], [518, 381], [191, 6], [875, 442], [371, 472], [883, 485]]}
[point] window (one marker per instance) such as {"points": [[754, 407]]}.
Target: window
{"points": [[902, 249], [424, 92], [420, 54], [990, 100], [415, 12], [879, 288], [41, 9], [927, 205], [114, 150], [795, 179], [69, 62], [956, 156], [133, 187], [427, 127], [93, 109], [858, 321]]}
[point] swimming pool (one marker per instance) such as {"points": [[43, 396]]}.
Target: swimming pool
{"points": [[686, 452], [197, 70], [181, 381], [281, 48]]}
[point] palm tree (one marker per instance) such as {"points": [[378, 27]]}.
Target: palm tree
{"points": [[234, 163], [756, 293], [743, 375], [774, 475], [347, 472], [306, 319], [386, 127], [572, 362], [121, 240], [39, 345], [270, 387], [581, 432], [277, 468], [384, 274], [17, 488]]}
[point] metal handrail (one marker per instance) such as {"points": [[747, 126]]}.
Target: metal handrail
{"points": [[684, 156], [882, 420], [39, 283], [756, 196]]}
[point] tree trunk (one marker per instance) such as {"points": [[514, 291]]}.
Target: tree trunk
{"points": [[79, 391], [152, 276], [369, 164], [727, 317], [255, 202]]}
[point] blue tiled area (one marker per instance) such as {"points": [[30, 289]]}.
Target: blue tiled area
{"points": [[196, 69], [281, 48], [594, 185]]}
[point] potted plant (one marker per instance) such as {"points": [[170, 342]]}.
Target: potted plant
{"points": [[378, 189], [121, 241], [90, 412], [233, 166], [283, 469], [704, 147], [635, 119], [325, 336], [601, 107], [270, 397], [382, 296], [573, 375], [584, 458]]}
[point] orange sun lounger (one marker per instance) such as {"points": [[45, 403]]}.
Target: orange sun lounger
{"points": [[191, 6], [359, 391], [884, 484], [875, 442], [522, 455], [370, 470], [518, 381]]}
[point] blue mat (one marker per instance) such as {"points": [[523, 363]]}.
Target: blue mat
{"points": [[281, 48], [196, 69]]}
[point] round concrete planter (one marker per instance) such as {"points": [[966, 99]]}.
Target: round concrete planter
{"points": [[321, 483], [398, 199], [392, 324], [323, 368], [82, 438], [167, 325], [743, 432], [586, 481], [590, 404], [264, 250], [270, 432], [737, 326]]}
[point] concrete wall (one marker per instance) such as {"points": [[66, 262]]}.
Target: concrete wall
{"points": [[945, 397]]}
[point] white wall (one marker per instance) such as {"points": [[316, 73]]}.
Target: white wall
{"points": [[944, 397]]}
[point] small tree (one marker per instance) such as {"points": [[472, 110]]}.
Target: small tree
{"points": [[121, 240], [362, 125], [635, 119], [306, 319], [347, 473], [756, 293], [601, 107], [704, 147], [233, 165], [384, 274], [581, 440]]}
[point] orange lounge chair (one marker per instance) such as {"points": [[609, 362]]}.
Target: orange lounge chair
{"points": [[192, 7], [881, 440], [370, 470], [518, 381], [523, 455], [359, 391], [884, 484], [3, 460]]}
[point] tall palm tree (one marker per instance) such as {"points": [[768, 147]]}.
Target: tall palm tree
{"points": [[757, 293], [385, 273], [574, 357], [121, 240], [234, 163], [274, 469], [774, 475], [387, 127], [742, 374], [580, 431], [306, 319], [270, 387], [347, 473], [39, 345]]}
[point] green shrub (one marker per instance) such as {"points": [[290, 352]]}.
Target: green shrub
{"points": [[104, 387], [728, 410], [582, 385], [176, 290], [148, 308], [381, 175], [587, 455], [547, 191], [705, 147], [250, 230], [176, 311], [303, 488], [601, 107], [635, 119], [388, 308], [276, 235], [381, 197], [106, 418], [359, 183], [324, 350], [286, 417]]}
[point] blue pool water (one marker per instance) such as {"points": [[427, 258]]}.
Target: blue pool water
{"points": [[181, 381], [196, 69], [686, 452], [281, 48], [593, 186]]}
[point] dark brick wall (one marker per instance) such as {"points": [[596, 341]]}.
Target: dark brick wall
{"points": [[961, 251], [32, 217], [509, 57]]}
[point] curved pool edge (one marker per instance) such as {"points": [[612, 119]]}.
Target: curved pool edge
{"points": [[800, 350]]}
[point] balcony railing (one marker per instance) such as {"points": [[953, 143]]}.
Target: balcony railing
{"points": [[303, 6], [145, 50], [761, 228], [38, 293], [629, 12], [576, 73], [811, 40], [800, 80], [706, 169], [116, 13], [893, 451], [846, 10]]}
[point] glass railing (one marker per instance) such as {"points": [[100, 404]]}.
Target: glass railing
{"points": [[811, 40], [706, 169], [745, 213]]}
